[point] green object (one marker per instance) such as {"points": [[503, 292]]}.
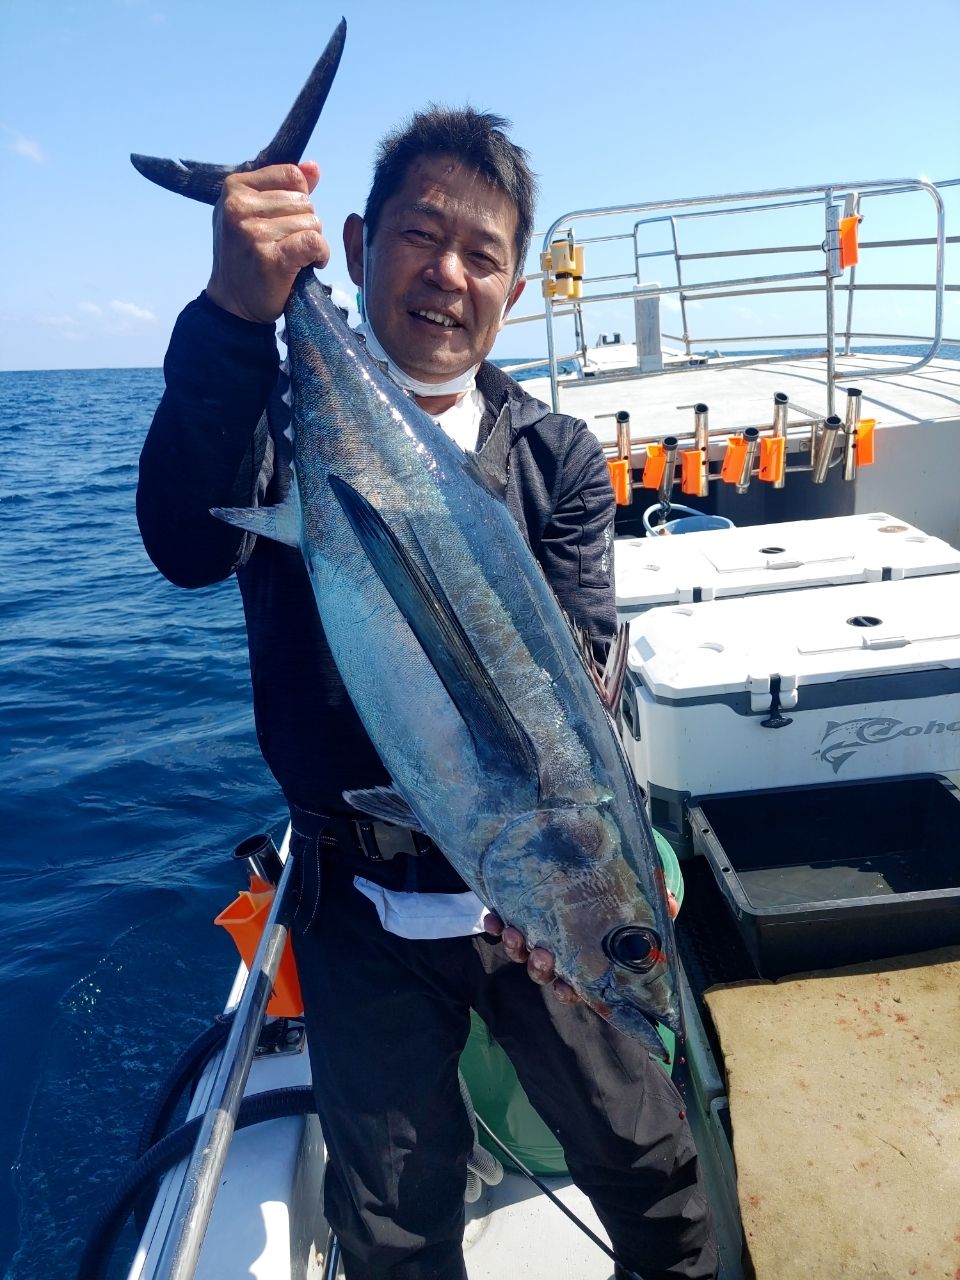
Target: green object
{"points": [[499, 1098]]}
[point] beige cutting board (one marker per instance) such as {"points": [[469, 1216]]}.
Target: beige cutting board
{"points": [[844, 1094]]}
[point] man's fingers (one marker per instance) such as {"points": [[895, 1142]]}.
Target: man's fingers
{"points": [[289, 177], [302, 249]]}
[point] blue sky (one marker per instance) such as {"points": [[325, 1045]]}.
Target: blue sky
{"points": [[617, 102]]}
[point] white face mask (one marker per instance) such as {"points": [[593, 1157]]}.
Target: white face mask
{"points": [[465, 381]]}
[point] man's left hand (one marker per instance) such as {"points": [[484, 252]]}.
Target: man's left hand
{"points": [[539, 961]]}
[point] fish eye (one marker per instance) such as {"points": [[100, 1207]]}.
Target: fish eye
{"points": [[634, 947]]}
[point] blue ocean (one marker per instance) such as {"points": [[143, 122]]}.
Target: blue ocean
{"points": [[129, 770]]}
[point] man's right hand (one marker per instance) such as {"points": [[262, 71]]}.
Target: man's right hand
{"points": [[264, 231]]}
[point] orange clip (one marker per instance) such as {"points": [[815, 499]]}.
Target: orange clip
{"points": [[773, 455], [620, 479], [690, 470], [244, 920], [849, 242], [733, 460], [863, 444], [654, 466]]}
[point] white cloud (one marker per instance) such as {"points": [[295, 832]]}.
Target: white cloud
{"points": [[345, 296], [60, 322], [21, 145], [131, 309], [90, 308]]}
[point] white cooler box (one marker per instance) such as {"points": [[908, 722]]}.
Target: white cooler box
{"points": [[691, 567], [802, 688]]}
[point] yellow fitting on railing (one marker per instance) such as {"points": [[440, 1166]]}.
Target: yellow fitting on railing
{"points": [[562, 266]]}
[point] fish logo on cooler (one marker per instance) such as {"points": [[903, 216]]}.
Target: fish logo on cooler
{"points": [[842, 739]]}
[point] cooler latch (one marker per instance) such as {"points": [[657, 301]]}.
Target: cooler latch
{"points": [[773, 694]]}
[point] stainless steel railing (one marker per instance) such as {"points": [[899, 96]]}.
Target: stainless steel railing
{"points": [[836, 200], [194, 1203]]}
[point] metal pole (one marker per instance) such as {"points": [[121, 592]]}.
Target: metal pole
{"points": [[780, 404], [752, 437], [831, 246], [701, 440], [850, 433], [823, 451], [670, 444], [851, 206], [188, 1225]]}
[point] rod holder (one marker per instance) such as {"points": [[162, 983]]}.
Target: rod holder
{"points": [[261, 856], [624, 445], [780, 403], [670, 446], [701, 441], [851, 422], [823, 451], [752, 436]]}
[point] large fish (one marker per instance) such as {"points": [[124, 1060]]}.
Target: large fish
{"points": [[469, 679]]}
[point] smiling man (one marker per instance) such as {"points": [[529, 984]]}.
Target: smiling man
{"points": [[392, 948]]}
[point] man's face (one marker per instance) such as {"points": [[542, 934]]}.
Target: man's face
{"points": [[440, 269]]}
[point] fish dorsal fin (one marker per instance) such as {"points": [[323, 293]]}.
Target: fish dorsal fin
{"points": [[608, 679], [422, 601], [384, 804], [489, 466]]}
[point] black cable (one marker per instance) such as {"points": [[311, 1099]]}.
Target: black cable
{"points": [[185, 1073], [542, 1186], [176, 1146]]}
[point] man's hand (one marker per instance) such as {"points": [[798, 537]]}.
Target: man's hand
{"points": [[539, 961], [264, 231]]}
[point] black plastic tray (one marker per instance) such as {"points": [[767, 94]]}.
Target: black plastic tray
{"points": [[823, 876]]}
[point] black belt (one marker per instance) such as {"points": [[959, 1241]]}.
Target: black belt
{"points": [[375, 841]]}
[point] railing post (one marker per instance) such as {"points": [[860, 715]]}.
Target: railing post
{"points": [[191, 1213]]}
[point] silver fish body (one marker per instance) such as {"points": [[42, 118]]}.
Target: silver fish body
{"points": [[467, 675]]}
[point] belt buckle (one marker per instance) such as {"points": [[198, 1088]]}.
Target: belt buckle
{"points": [[366, 838]]}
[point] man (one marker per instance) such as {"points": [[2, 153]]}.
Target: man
{"points": [[390, 944]]}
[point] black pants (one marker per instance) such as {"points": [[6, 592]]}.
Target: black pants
{"points": [[387, 1020]]}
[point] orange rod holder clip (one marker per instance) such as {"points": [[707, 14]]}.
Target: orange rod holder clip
{"points": [[654, 466], [865, 441], [244, 919], [621, 480], [849, 241], [850, 433], [691, 471], [773, 457], [732, 465]]}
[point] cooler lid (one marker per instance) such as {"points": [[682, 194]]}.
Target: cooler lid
{"points": [[774, 557], [816, 636]]}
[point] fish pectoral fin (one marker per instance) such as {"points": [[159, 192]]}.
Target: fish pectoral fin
{"points": [[489, 466], [423, 603], [280, 523], [386, 805]]}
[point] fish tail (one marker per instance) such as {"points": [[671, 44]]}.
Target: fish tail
{"points": [[204, 182]]}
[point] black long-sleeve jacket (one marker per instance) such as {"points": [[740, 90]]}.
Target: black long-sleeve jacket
{"points": [[211, 443]]}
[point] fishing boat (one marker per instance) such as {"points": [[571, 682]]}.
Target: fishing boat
{"points": [[786, 557]]}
